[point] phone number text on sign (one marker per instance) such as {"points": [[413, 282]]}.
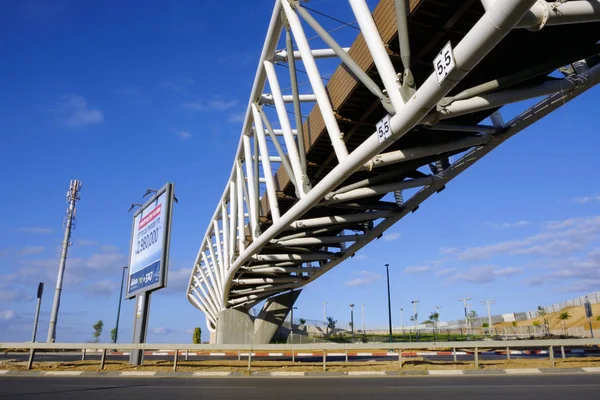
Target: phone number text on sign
{"points": [[147, 247]]}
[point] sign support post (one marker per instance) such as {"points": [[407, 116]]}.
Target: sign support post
{"points": [[140, 326]]}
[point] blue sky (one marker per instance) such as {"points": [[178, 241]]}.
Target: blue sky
{"points": [[125, 98]]}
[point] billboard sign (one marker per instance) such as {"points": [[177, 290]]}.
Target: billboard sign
{"points": [[149, 250]]}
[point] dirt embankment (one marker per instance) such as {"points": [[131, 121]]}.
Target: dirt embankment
{"points": [[577, 319]]}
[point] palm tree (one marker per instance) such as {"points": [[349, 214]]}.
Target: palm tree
{"points": [[563, 317], [434, 317], [541, 312]]}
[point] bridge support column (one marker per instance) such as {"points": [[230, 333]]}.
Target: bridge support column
{"points": [[236, 326]]}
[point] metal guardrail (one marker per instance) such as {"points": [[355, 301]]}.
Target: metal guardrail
{"points": [[475, 346]]}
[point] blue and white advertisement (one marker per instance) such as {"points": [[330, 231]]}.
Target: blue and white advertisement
{"points": [[149, 245]]}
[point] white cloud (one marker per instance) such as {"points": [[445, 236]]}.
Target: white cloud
{"points": [[28, 250], [365, 277], [445, 271], [507, 271], [178, 279], [11, 293], [416, 269], [448, 250], [40, 230], [482, 274], [587, 199], [557, 239], [237, 117], [103, 288], [509, 225], [73, 111], [183, 135], [7, 315], [161, 330], [390, 237], [216, 104]]}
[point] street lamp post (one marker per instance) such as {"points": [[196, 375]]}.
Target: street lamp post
{"points": [[389, 300], [119, 307], [488, 302], [402, 319], [292, 323], [414, 303], [362, 317], [464, 300], [325, 318], [352, 319]]}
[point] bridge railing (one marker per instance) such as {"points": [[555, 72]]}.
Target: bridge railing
{"points": [[325, 349]]}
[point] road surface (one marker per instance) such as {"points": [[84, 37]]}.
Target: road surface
{"points": [[547, 387]]}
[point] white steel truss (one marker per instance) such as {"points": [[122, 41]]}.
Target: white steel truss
{"points": [[255, 248]]}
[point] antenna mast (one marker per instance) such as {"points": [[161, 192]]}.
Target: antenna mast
{"points": [[72, 197]]}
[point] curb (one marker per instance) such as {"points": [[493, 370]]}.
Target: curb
{"points": [[289, 374]]}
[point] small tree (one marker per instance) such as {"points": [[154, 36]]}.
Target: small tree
{"points": [[98, 326], [434, 317], [563, 317], [331, 325], [514, 325], [113, 335], [302, 321], [541, 312], [197, 336]]}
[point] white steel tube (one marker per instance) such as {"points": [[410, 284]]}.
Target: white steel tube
{"points": [[293, 257], [252, 194], [204, 299], [233, 204], [316, 83], [265, 281], [266, 164], [240, 209], [377, 190], [346, 59], [225, 223], [571, 12], [315, 241], [287, 98], [285, 125], [415, 153], [202, 307], [296, 96], [282, 55], [336, 220], [524, 120], [221, 260], [283, 158], [287, 270], [211, 288], [500, 98], [215, 263], [382, 61], [211, 281], [481, 39]]}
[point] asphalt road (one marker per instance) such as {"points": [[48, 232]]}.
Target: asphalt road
{"points": [[547, 387]]}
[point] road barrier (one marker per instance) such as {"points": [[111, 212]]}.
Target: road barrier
{"points": [[400, 350]]}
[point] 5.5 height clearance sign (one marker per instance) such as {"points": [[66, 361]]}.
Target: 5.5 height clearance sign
{"points": [[150, 244]]}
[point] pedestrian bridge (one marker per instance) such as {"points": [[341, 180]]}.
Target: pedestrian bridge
{"points": [[327, 166]]}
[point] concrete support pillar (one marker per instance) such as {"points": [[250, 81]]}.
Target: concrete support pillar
{"points": [[236, 326]]}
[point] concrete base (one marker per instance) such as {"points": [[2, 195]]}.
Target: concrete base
{"points": [[236, 326]]}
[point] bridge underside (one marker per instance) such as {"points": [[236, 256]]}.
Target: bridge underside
{"points": [[311, 187]]}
